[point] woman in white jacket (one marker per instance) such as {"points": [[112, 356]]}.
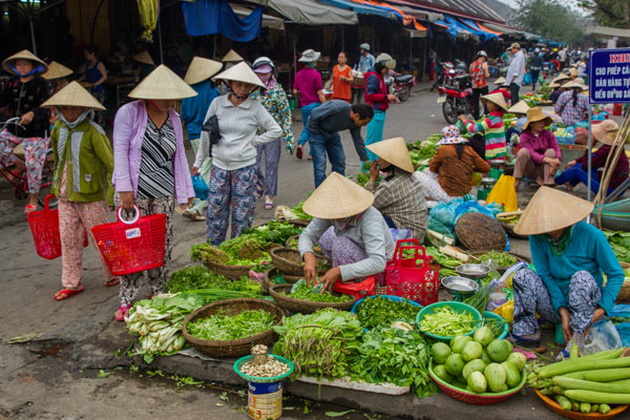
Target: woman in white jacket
{"points": [[243, 124]]}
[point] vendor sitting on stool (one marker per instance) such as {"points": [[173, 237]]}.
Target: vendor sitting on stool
{"points": [[351, 233], [570, 257], [399, 195]]}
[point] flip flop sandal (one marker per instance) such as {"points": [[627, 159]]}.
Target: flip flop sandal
{"points": [[268, 206], [112, 282], [30, 208], [199, 217], [119, 315], [64, 294]]}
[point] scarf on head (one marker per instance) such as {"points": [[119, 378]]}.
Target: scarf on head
{"points": [[270, 83], [36, 69]]}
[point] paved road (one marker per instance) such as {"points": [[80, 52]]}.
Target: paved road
{"points": [[75, 378]]}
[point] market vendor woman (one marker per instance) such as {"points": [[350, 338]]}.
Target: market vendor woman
{"points": [[570, 258], [351, 233]]}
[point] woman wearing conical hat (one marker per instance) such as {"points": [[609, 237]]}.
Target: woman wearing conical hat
{"points": [[399, 195], [236, 124], [572, 105], [56, 76], [571, 258], [150, 167], [83, 168], [22, 97], [352, 234], [540, 155]]}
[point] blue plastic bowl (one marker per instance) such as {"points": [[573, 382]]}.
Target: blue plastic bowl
{"points": [[458, 306]]}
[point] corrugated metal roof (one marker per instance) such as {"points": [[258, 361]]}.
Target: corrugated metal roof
{"points": [[474, 9]]}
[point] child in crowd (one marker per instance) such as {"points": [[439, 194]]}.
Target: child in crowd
{"points": [[492, 127]]}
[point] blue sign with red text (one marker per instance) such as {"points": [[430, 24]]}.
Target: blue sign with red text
{"points": [[609, 76]]}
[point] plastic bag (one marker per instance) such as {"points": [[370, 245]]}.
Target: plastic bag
{"points": [[603, 336], [444, 214], [504, 193], [200, 187]]}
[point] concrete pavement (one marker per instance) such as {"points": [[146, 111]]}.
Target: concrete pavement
{"points": [[70, 371]]}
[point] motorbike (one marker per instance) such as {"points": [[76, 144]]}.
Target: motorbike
{"points": [[447, 72], [400, 85], [456, 99]]}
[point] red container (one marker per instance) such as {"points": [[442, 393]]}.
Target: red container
{"points": [[44, 226], [411, 274], [132, 246]]}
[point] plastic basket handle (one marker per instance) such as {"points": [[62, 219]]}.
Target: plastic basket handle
{"points": [[46, 199], [413, 241], [133, 220]]}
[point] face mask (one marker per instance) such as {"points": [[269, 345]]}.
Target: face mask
{"points": [[265, 78]]}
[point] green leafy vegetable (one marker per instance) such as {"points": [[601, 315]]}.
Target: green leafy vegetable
{"points": [[222, 326], [381, 311], [447, 322], [303, 291], [620, 243], [503, 259], [199, 277]]}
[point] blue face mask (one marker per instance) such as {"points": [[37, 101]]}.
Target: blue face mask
{"points": [[36, 69]]}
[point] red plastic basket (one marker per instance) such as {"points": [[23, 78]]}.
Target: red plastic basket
{"points": [[414, 277], [44, 226], [132, 246]]}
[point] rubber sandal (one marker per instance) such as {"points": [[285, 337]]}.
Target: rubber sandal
{"points": [[64, 294], [268, 206], [112, 282], [120, 313], [30, 208]]}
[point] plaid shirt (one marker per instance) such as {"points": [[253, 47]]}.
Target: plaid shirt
{"points": [[572, 114], [401, 199]]}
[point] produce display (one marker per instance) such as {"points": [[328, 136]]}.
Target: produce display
{"points": [[199, 277], [448, 322], [302, 291], [479, 363], [421, 152], [620, 243], [503, 259], [382, 312], [263, 365], [222, 326], [589, 384], [158, 321]]}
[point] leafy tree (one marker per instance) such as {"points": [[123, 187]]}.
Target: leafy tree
{"points": [[549, 19], [615, 13]]}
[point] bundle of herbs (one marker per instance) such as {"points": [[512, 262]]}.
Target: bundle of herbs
{"points": [[223, 326], [199, 277], [303, 291], [382, 311]]}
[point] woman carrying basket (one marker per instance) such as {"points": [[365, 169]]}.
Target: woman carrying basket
{"points": [[351, 232], [83, 167], [150, 167]]}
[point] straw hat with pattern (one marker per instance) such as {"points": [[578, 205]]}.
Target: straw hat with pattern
{"points": [[521, 107], [536, 114], [393, 151], [232, 57], [337, 198], [497, 99], [73, 95], [38, 64], [201, 69], [56, 71], [144, 57], [240, 72], [500, 81], [451, 135], [578, 83], [162, 83], [606, 131], [550, 210]]}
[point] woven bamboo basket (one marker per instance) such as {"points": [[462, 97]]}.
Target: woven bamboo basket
{"points": [[479, 232], [272, 273], [299, 222], [624, 293], [232, 271], [295, 237], [232, 348], [289, 261], [277, 291]]}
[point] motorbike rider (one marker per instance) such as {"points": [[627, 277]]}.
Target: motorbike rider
{"points": [[479, 73]]}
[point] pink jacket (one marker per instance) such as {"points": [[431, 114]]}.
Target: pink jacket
{"points": [[538, 145], [129, 127]]}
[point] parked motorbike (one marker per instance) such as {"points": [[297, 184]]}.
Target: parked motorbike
{"points": [[400, 84], [456, 99], [447, 71]]}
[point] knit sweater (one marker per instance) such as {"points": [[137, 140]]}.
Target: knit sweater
{"points": [[494, 131], [455, 174]]}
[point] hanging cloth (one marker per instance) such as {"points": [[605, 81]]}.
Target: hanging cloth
{"points": [[207, 17]]}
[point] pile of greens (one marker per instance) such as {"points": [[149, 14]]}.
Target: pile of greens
{"points": [[222, 326], [447, 264], [447, 322], [303, 291], [421, 152], [620, 243], [381, 311], [503, 259], [274, 232], [318, 343], [199, 277], [394, 356], [242, 250], [301, 215]]}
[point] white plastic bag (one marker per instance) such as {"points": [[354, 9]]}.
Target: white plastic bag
{"points": [[603, 336]]}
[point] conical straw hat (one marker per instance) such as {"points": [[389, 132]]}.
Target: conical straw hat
{"points": [[549, 210], [577, 83], [521, 107], [560, 78], [232, 56], [73, 95], [56, 71], [394, 151], [201, 69], [144, 57], [337, 198], [26, 55], [162, 83], [496, 98], [240, 72], [500, 81]]}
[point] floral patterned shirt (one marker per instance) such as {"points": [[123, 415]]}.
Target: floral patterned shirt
{"points": [[276, 103]]}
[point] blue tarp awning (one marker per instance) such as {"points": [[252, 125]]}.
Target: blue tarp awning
{"points": [[483, 35], [454, 29], [362, 9], [207, 17]]}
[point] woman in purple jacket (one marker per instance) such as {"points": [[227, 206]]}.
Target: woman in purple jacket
{"points": [[150, 167], [539, 155]]}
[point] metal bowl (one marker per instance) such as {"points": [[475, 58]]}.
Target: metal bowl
{"points": [[472, 271], [488, 180], [459, 285]]}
